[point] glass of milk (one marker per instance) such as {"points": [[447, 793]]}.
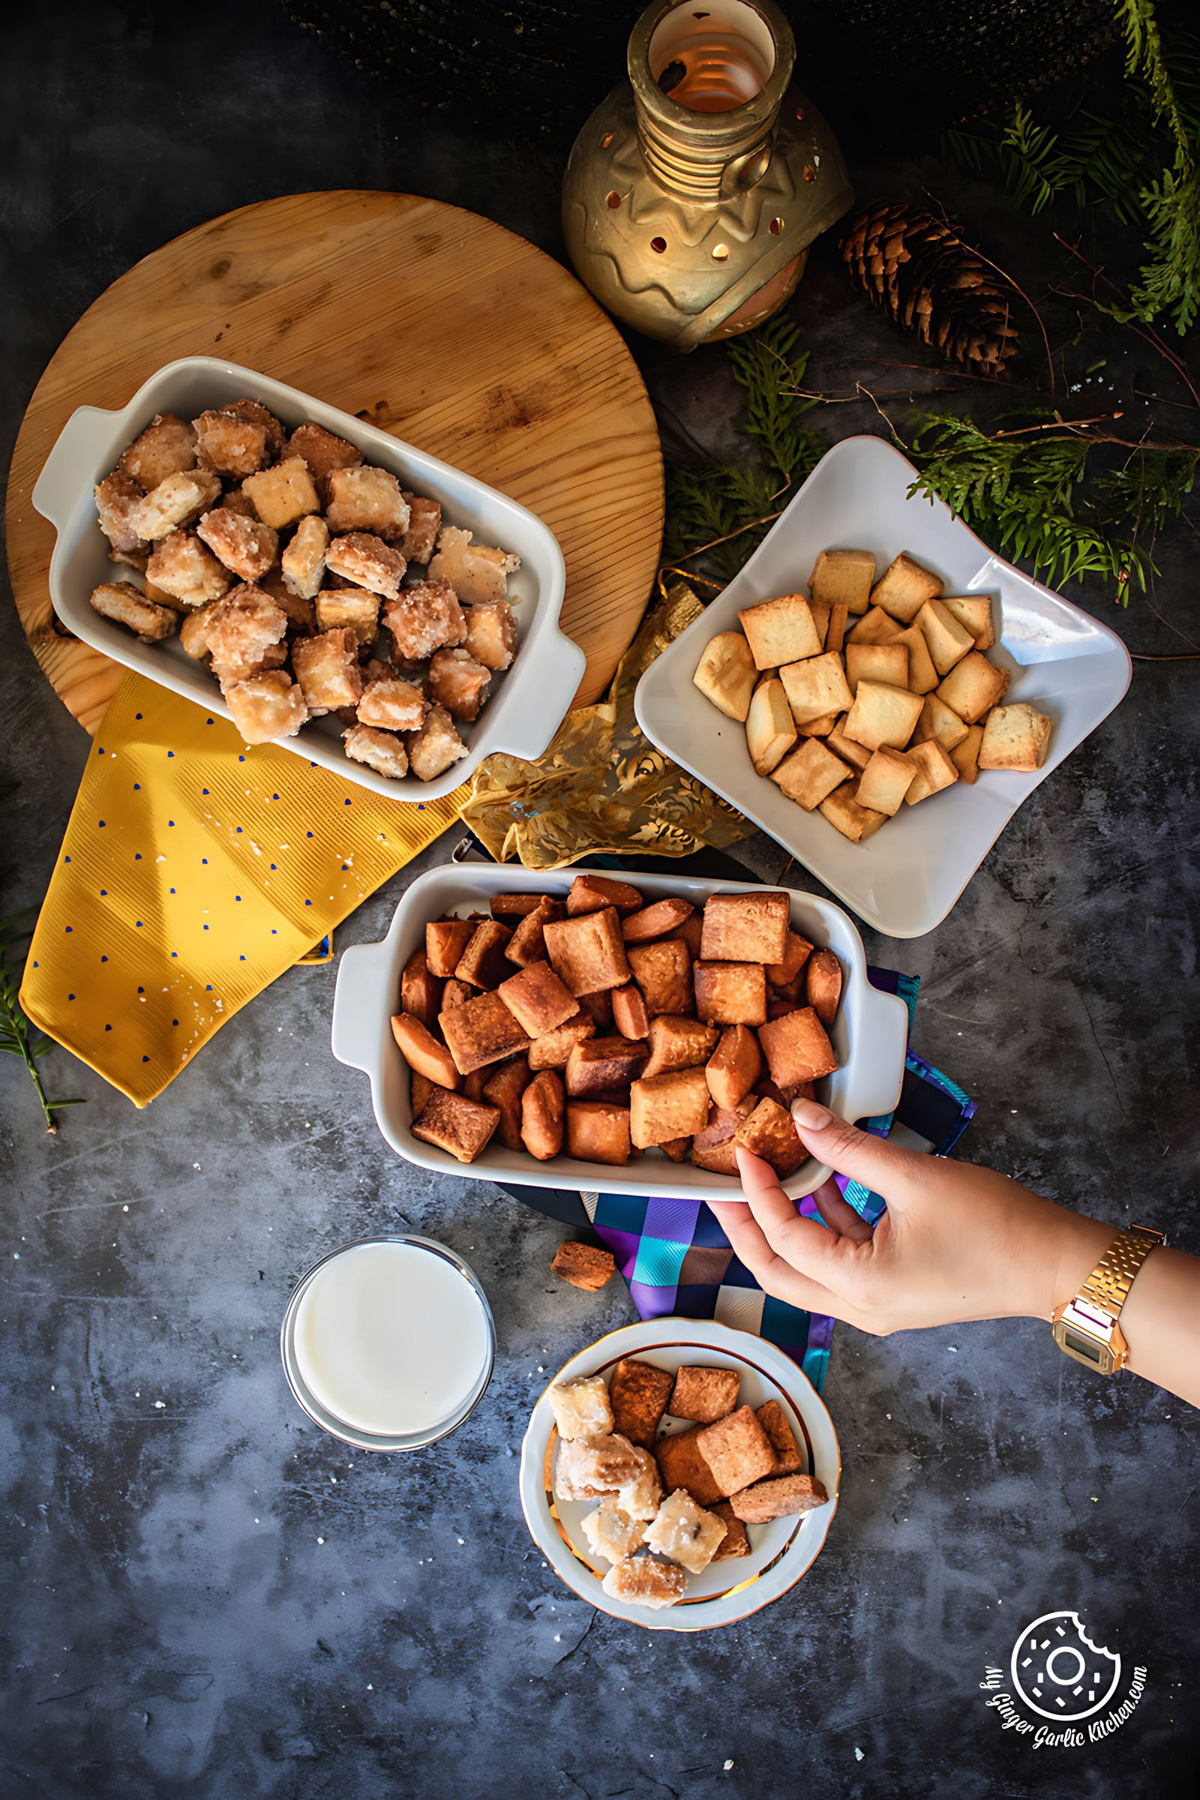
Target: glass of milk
{"points": [[388, 1343]]}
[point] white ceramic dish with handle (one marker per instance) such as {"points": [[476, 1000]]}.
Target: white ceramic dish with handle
{"points": [[905, 879], [869, 1033], [780, 1553], [527, 702]]}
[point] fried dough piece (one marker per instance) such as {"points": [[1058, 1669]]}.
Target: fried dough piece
{"points": [[553, 1049], [735, 1542], [423, 618], [581, 1408], [703, 1394], [166, 447], [243, 629], [436, 747], [734, 1066], [713, 1148], [303, 562], [454, 1123], [503, 1089], [420, 990], [737, 1450], [668, 1106], [366, 499], [246, 546], [323, 452], [773, 1419], [598, 1131], [778, 1498], [770, 1133], [363, 558], [231, 444], [459, 683], [327, 669], [266, 707], [537, 999], [492, 633], [590, 892], [476, 572], [282, 494], [127, 605], [638, 1394], [393, 704], [118, 497], [176, 501], [542, 1110], [685, 1532], [187, 570], [682, 1465], [645, 1581], [424, 523], [823, 987], [611, 1533], [193, 630], [584, 1266], [355, 608], [379, 750]]}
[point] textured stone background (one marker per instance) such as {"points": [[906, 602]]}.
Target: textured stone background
{"points": [[171, 1622]]}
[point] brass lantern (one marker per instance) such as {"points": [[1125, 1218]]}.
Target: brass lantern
{"points": [[692, 195]]}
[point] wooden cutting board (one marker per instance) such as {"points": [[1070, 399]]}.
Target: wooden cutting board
{"points": [[430, 322]]}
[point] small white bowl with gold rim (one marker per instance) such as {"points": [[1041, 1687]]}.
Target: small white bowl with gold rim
{"points": [[780, 1552]]}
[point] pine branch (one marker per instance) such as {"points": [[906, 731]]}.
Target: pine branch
{"points": [[1038, 498], [1170, 279], [1143, 165], [719, 515], [17, 1035]]}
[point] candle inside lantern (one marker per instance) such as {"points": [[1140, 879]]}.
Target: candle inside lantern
{"points": [[714, 60]]}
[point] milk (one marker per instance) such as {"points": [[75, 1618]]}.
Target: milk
{"points": [[391, 1338]]}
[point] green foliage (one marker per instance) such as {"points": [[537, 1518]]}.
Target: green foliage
{"points": [[1141, 164], [17, 1035], [1169, 282], [1041, 499], [735, 501]]}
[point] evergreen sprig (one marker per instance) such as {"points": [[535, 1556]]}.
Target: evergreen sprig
{"points": [[17, 1035], [725, 509], [1142, 166], [1042, 499]]}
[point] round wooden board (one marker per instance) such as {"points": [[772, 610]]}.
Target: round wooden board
{"points": [[425, 320]]}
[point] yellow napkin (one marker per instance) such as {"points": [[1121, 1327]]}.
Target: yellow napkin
{"points": [[194, 871]]}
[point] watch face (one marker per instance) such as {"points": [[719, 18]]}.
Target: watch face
{"points": [[1083, 1346]]}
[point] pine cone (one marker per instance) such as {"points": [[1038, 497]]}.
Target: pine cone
{"points": [[922, 274]]}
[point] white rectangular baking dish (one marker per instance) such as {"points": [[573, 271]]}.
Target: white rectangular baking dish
{"points": [[906, 878], [528, 701], [870, 1033]]}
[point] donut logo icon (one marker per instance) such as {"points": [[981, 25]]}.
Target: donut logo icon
{"points": [[1058, 1671]]}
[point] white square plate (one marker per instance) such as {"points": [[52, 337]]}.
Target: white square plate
{"points": [[527, 702], [906, 878]]}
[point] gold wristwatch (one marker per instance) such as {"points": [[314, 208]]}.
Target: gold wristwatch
{"points": [[1087, 1327]]}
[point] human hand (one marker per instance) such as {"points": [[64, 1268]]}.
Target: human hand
{"points": [[957, 1241]]}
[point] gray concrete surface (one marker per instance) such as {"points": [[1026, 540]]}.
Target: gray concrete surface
{"points": [[203, 1596]]}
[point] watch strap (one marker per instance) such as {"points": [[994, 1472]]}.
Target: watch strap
{"points": [[1108, 1285]]}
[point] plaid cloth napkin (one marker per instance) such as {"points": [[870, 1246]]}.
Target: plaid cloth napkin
{"points": [[677, 1259]]}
